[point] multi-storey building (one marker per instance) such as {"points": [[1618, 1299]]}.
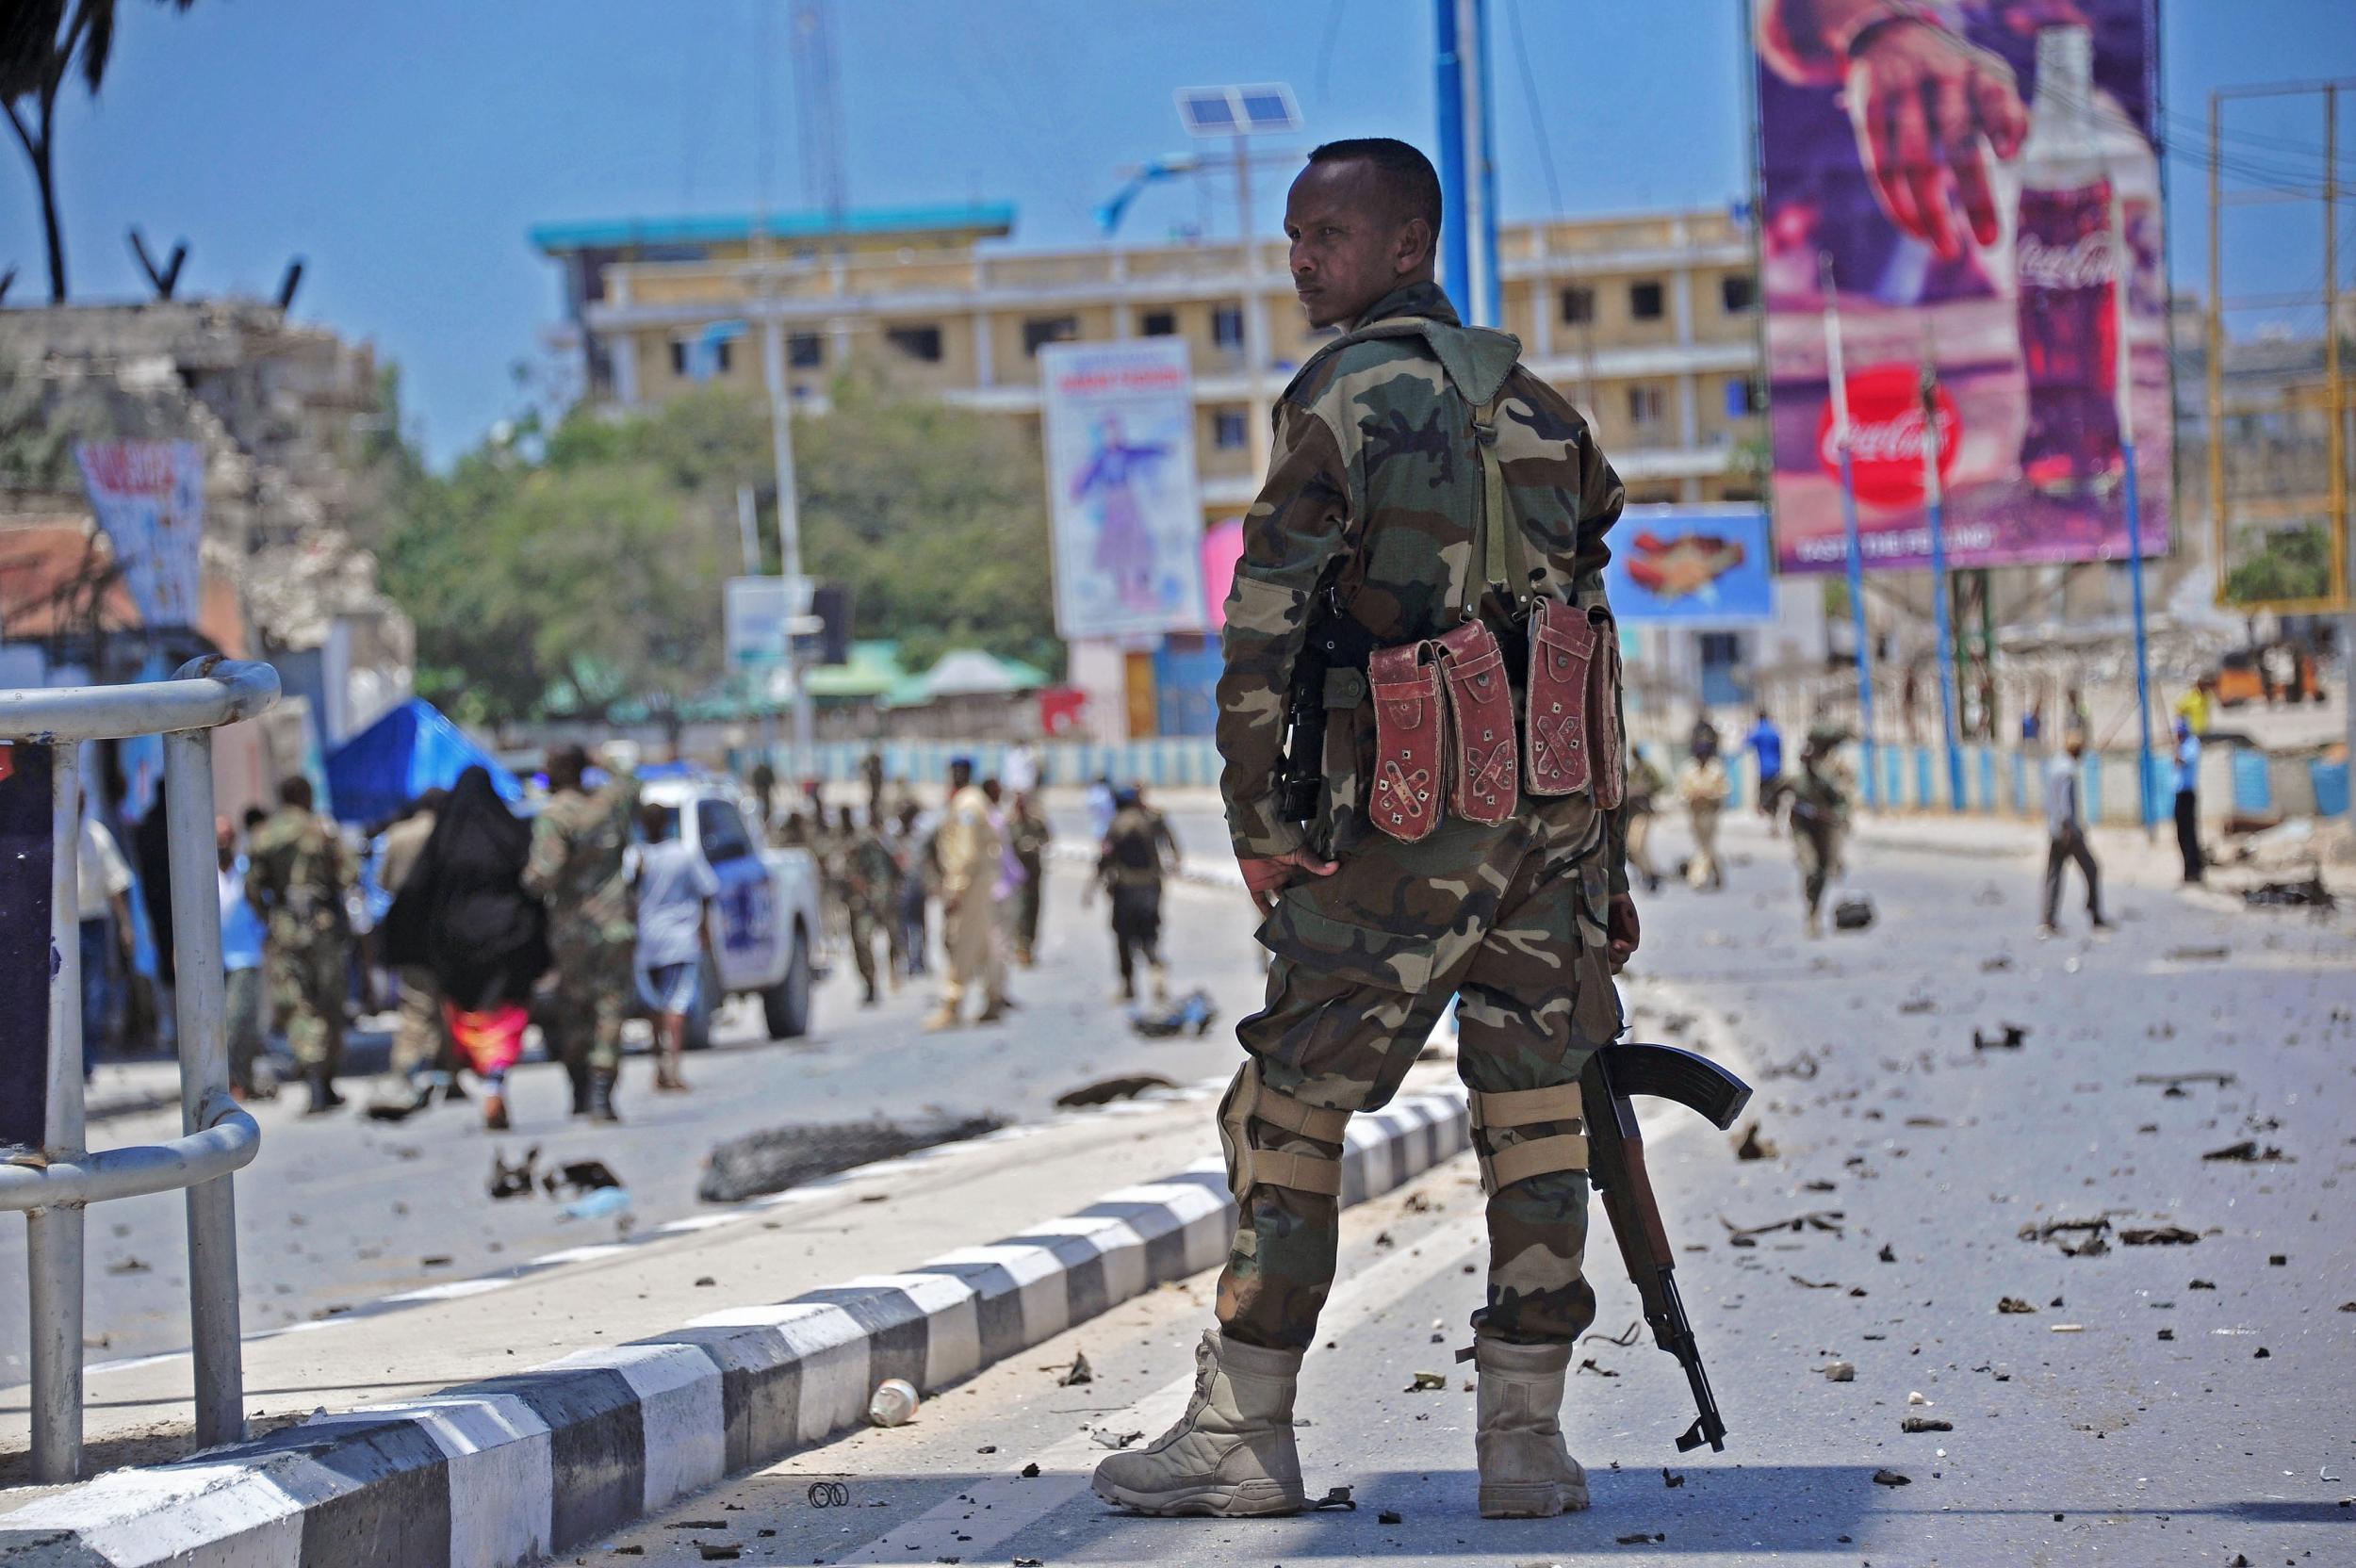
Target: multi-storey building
{"points": [[1648, 323]]}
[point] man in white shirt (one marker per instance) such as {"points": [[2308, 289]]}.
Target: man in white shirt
{"points": [[102, 895], [2066, 835]]}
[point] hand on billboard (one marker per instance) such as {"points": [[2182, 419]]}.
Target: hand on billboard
{"points": [[1267, 875], [1929, 108]]}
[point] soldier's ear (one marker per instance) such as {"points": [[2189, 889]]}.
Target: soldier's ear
{"points": [[1415, 249]]}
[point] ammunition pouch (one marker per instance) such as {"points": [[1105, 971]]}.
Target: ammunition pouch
{"points": [[1561, 651], [1519, 1162], [1410, 746], [1248, 1101], [1484, 783]]}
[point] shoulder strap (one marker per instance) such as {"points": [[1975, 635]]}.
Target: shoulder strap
{"points": [[1494, 536]]}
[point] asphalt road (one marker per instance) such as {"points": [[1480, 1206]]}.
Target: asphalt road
{"points": [[2179, 1394], [338, 1210]]}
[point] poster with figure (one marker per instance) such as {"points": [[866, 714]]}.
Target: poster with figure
{"points": [[149, 497], [1122, 490], [1958, 168], [1693, 566]]}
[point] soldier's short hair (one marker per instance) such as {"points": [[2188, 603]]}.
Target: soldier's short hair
{"points": [[1406, 175], [295, 790], [566, 763]]}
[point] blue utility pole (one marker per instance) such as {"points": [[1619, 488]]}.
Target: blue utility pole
{"points": [[1468, 240], [1934, 505], [1837, 374], [2121, 274]]}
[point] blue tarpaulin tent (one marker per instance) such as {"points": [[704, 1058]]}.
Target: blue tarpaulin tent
{"points": [[410, 750]]}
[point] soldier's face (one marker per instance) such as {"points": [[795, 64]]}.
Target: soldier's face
{"points": [[1349, 246]]}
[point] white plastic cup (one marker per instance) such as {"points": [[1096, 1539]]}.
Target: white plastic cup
{"points": [[893, 1403]]}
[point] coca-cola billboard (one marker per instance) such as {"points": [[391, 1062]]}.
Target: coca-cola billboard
{"points": [[1961, 172]]}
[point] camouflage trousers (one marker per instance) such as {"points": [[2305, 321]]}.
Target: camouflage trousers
{"points": [[869, 925], [306, 1000], [1817, 851], [422, 1039], [1508, 921], [594, 985]]}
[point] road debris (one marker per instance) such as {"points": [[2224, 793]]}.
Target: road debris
{"points": [[1427, 1383], [2310, 894], [1639, 1539], [2178, 1079], [2008, 1038], [1916, 1396], [1108, 1439], [1191, 1013], [776, 1158], [1751, 1146], [2091, 1244], [1589, 1363], [1335, 1498], [1813, 1285], [2197, 955], [1816, 1219], [1927, 1423], [1917, 1004], [1839, 1372], [1105, 1090], [1891, 1477], [1886, 1254], [1670, 1478], [893, 1403], [1388, 1516], [2248, 1153], [2159, 1235], [1628, 1335], [2013, 1304]]}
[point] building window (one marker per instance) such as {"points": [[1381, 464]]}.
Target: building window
{"points": [[1227, 326], [1578, 307], [805, 351], [1159, 323], [690, 359], [678, 357], [1742, 398], [1644, 300], [1229, 432], [1643, 406], [921, 343], [1740, 293], [1040, 330]]}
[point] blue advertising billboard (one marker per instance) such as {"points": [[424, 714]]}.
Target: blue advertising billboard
{"points": [[1691, 566]]}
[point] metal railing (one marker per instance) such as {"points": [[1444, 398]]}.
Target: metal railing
{"points": [[54, 1183]]}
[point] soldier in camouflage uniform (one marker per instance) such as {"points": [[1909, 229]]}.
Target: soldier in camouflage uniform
{"points": [[297, 869], [870, 893], [578, 844], [1369, 512], [1820, 816]]}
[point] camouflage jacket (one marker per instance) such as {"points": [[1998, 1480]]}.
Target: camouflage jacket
{"points": [[297, 871], [1138, 849], [579, 844], [870, 874], [1373, 486], [1819, 794]]}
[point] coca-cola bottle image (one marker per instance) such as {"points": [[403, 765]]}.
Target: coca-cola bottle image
{"points": [[2081, 155]]}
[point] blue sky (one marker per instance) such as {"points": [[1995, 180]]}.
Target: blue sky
{"points": [[404, 150]]}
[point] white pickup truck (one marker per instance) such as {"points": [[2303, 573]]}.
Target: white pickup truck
{"points": [[766, 920]]}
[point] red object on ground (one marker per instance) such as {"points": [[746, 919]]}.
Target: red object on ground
{"points": [[492, 1039]]}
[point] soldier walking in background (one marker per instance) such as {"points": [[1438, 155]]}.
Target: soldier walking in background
{"points": [[1705, 787], [969, 851], [1820, 817], [297, 870], [911, 845], [1431, 531], [580, 866], [422, 1039], [1027, 837], [871, 892], [1644, 786], [1137, 854]]}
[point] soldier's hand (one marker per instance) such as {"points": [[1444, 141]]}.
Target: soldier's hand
{"points": [[1267, 875], [1623, 932]]}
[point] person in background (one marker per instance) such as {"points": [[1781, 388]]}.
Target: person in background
{"points": [[461, 915], [764, 783], [242, 940], [674, 892], [871, 892], [870, 772], [2193, 707], [1820, 818], [1005, 890], [298, 871], [578, 864], [1027, 837], [2033, 725], [102, 900], [150, 853], [420, 1040], [1102, 804], [969, 851], [1137, 852], [1645, 785], [1703, 787], [911, 844], [1766, 742], [2066, 835], [1021, 771], [2188, 801]]}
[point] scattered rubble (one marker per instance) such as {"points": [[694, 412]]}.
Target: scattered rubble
{"points": [[2310, 895], [1427, 1383], [2159, 1235], [1105, 1090], [1077, 1373], [1839, 1372], [782, 1157], [2008, 1038], [1751, 1146], [2248, 1153], [1925, 1423], [2013, 1304], [1891, 1477]]}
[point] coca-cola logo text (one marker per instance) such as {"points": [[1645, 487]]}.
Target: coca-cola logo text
{"points": [[2085, 263], [1885, 436]]}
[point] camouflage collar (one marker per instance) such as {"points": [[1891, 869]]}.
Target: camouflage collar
{"points": [[1414, 299]]}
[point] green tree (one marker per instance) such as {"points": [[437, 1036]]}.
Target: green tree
{"points": [[42, 43], [2295, 563]]}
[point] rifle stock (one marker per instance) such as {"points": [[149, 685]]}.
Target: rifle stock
{"points": [[1615, 1158]]}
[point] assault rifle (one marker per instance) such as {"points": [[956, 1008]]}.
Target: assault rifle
{"points": [[1334, 641], [1616, 1163]]}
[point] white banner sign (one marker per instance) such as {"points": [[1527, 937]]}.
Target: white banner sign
{"points": [[149, 497], [756, 612], [1121, 483]]}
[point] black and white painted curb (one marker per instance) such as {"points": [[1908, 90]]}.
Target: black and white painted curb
{"points": [[510, 1469]]}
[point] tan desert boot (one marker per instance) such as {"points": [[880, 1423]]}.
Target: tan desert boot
{"points": [[1230, 1454], [1526, 1472]]}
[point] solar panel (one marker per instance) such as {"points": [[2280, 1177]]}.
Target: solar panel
{"points": [[1207, 111], [1270, 108]]}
